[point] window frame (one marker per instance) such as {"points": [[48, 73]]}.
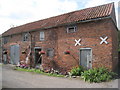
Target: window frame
{"points": [[42, 38], [74, 27], [5, 40], [25, 37], [49, 50]]}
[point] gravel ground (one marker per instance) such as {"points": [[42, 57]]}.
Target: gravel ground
{"points": [[18, 79]]}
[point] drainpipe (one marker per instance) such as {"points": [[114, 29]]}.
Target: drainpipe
{"points": [[1, 48], [30, 49]]}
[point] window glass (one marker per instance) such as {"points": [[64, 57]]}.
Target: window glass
{"points": [[25, 37], [42, 36], [50, 52], [71, 29], [5, 40]]}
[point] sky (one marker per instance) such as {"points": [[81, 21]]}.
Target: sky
{"points": [[18, 12]]}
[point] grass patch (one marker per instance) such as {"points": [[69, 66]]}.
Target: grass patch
{"points": [[1, 64], [96, 75], [38, 71]]}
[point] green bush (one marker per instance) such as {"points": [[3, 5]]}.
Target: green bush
{"points": [[76, 71], [97, 75]]}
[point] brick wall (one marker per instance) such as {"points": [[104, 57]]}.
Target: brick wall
{"points": [[58, 39], [90, 34]]}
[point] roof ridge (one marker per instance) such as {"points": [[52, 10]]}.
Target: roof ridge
{"points": [[66, 13]]}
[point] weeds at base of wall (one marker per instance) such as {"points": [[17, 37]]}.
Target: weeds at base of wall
{"points": [[38, 71], [95, 75]]}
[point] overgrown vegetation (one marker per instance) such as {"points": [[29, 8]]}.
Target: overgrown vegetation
{"points": [[76, 71], [92, 75], [38, 71], [98, 75]]}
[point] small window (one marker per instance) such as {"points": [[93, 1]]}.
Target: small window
{"points": [[25, 37], [50, 52], [11, 36], [42, 36], [71, 29], [5, 40]]}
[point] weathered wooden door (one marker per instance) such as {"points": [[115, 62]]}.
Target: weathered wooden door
{"points": [[86, 57], [14, 54]]}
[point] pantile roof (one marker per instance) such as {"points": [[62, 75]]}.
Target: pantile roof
{"points": [[76, 16]]}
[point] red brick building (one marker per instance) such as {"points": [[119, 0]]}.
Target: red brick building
{"points": [[85, 37]]}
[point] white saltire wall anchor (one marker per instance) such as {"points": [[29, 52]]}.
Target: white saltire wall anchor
{"points": [[104, 40], [77, 42]]}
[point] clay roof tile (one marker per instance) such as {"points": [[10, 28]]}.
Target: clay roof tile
{"points": [[80, 15]]}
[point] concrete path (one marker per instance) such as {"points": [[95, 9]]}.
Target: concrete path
{"points": [[18, 79]]}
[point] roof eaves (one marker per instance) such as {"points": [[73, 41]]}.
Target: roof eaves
{"points": [[108, 8], [70, 23]]}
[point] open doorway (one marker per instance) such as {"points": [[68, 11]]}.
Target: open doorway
{"points": [[38, 57]]}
